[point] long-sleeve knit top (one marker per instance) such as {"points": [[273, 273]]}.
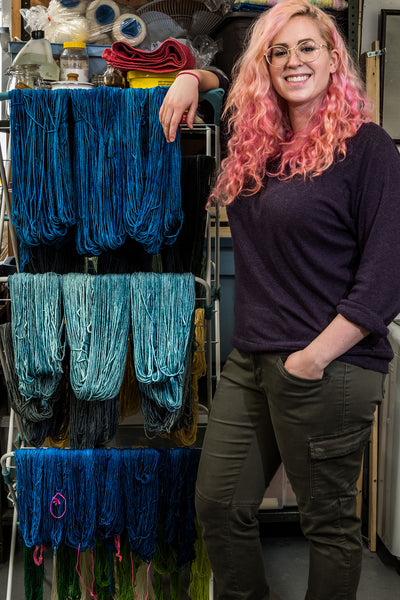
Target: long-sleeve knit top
{"points": [[308, 249]]}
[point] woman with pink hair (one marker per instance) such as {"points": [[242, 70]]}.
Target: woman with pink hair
{"points": [[312, 188]]}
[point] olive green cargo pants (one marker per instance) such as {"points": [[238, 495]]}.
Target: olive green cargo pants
{"points": [[262, 415]]}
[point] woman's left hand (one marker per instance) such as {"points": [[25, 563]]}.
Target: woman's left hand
{"points": [[301, 364]]}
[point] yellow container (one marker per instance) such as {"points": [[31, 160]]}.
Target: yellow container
{"points": [[146, 79]]}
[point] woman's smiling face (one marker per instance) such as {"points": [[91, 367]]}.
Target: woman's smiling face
{"points": [[302, 84]]}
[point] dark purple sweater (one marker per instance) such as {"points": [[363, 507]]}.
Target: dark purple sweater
{"points": [[306, 250]]}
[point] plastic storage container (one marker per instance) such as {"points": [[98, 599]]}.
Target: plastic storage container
{"points": [[147, 79], [74, 59], [231, 34], [38, 52]]}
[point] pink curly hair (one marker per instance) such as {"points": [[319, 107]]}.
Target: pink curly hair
{"points": [[257, 118]]}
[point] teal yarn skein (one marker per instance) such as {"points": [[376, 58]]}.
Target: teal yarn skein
{"points": [[37, 326], [97, 318], [162, 308], [43, 207], [125, 174]]}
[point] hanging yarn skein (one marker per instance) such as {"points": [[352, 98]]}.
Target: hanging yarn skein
{"points": [[162, 315], [38, 420], [159, 420], [43, 208], [124, 134], [37, 325], [155, 217], [98, 169], [68, 497], [97, 323]]}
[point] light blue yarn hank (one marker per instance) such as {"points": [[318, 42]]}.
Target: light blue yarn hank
{"points": [[162, 314], [37, 326], [97, 318]]}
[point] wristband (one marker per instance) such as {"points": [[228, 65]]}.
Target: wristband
{"points": [[188, 73]]}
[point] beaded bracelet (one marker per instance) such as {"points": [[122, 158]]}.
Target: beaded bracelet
{"points": [[188, 73]]}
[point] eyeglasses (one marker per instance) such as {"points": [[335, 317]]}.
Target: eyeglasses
{"points": [[306, 51]]}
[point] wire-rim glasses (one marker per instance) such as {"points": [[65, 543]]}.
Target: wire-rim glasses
{"points": [[306, 51]]}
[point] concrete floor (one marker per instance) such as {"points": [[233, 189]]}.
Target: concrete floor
{"points": [[286, 564]]}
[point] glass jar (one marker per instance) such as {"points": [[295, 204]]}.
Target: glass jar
{"points": [[113, 77], [74, 59], [23, 77]]}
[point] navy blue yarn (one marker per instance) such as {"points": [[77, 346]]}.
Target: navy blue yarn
{"points": [[108, 491], [141, 497]]}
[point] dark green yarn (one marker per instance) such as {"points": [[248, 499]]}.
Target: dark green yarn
{"points": [[124, 570], [68, 586], [164, 564], [33, 576], [104, 584]]}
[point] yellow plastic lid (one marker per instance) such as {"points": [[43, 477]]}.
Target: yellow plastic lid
{"points": [[74, 45]]}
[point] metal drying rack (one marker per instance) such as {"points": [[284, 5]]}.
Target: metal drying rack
{"points": [[210, 285]]}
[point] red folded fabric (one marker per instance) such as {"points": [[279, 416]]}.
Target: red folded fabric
{"points": [[171, 55]]}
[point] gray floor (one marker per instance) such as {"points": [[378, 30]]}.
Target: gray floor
{"points": [[286, 564]]}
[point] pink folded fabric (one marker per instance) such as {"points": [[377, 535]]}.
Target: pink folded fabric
{"points": [[171, 55]]}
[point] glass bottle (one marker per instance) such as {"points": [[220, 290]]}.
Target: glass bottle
{"points": [[74, 59], [113, 77]]}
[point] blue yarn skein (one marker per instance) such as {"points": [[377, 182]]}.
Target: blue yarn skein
{"points": [[43, 207], [134, 148], [97, 322], [141, 492], [154, 218], [30, 481], [99, 169], [36, 326], [111, 520]]}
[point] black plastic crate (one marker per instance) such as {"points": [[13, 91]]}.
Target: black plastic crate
{"points": [[231, 34], [233, 30]]}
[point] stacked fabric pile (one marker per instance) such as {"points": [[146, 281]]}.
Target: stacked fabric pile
{"points": [[170, 56]]}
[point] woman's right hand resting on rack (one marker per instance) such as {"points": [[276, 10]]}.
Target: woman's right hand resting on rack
{"points": [[184, 95]]}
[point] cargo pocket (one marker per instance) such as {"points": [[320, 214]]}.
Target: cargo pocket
{"points": [[335, 463]]}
